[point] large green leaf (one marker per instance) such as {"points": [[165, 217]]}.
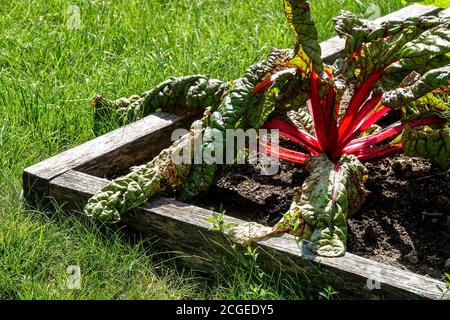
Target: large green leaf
{"points": [[287, 92], [428, 143], [239, 101], [421, 87], [393, 48], [329, 196], [126, 193], [193, 91], [298, 14], [427, 95]]}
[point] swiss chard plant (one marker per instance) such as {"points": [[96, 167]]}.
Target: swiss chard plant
{"points": [[393, 70], [389, 93]]}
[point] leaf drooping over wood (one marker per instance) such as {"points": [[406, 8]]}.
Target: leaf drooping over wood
{"points": [[329, 195]]}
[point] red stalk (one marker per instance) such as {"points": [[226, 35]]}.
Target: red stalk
{"points": [[283, 153], [299, 142], [331, 117], [387, 133], [285, 128], [426, 122], [354, 128], [263, 85], [357, 100], [318, 113], [374, 118], [378, 152]]}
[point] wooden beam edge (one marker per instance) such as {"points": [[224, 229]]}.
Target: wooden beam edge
{"points": [[169, 220], [101, 145], [35, 178]]}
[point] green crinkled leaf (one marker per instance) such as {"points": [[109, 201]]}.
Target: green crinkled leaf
{"points": [[202, 176], [354, 30], [427, 95], [302, 119], [397, 47], [126, 193], [329, 195], [239, 100], [282, 94], [263, 110], [435, 103], [193, 91], [420, 87], [298, 14], [358, 31], [428, 143]]}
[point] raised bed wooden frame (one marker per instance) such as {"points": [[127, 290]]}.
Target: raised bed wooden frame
{"points": [[71, 177]]}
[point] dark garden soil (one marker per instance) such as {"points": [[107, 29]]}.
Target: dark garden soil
{"points": [[404, 222]]}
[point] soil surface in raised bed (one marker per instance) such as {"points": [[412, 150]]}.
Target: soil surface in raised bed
{"points": [[403, 223]]}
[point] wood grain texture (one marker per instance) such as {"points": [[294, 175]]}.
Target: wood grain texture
{"points": [[445, 13], [116, 150], [184, 228], [332, 49]]}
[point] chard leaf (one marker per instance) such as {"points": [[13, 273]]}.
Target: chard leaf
{"points": [[281, 81], [201, 176], [302, 119], [127, 192], [395, 48], [354, 30], [329, 196], [358, 31], [435, 103], [429, 50], [421, 87], [428, 143], [298, 14], [428, 95]]}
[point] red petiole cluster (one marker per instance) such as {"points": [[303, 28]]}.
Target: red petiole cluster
{"points": [[338, 135]]}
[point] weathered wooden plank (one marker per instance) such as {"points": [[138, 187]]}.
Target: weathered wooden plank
{"points": [[445, 13], [116, 150], [332, 49], [72, 189], [184, 228]]}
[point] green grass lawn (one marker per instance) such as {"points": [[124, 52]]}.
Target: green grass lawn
{"points": [[48, 72]]}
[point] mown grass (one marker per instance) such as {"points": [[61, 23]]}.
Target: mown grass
{"points": [[48, 72]]}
